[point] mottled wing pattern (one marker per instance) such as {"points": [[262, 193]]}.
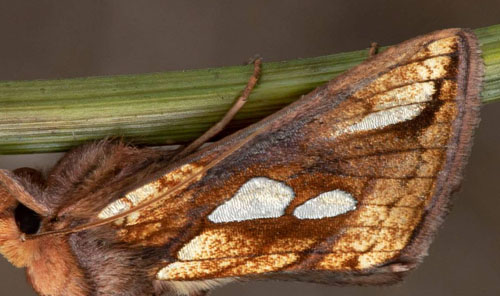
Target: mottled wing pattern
{"points": [[346, 185]]}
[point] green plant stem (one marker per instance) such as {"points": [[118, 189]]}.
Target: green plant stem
{"points": [[172, 107]]}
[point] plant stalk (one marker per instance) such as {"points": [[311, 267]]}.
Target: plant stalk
{"points": [[173, 107]]}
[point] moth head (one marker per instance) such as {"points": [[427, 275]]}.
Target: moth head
{"points": [[21, 213]]}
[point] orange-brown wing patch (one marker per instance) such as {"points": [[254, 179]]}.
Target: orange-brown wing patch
{"points": [[349, 179], [147, 192]]}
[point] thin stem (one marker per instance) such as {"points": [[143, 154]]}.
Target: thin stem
{"points": [[173, 107]]}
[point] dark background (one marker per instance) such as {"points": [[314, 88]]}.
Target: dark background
{"points": [[58, 39]]}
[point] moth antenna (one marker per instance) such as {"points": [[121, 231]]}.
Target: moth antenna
{"points": [[373, 49], [169, 192], [219, 126]]}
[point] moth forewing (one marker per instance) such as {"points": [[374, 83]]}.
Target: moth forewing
{"points": [[415, 102], [345, 186]]}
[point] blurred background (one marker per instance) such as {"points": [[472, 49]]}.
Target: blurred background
{"points": [[62, 39]]}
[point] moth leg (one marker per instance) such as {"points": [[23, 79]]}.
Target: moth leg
{"points": [[373, 49], [219, 126]]}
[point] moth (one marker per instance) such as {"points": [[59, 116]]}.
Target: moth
{"points": [[346, 186]]}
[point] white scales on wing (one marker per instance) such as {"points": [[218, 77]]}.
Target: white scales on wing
{"points": [[265, 198], [258, 198], [387, 117], [391, 107], [328, 204]]}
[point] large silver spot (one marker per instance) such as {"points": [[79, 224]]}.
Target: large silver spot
{"points": [[258, 198]]}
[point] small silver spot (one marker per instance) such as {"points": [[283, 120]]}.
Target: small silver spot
{"points": [[114, 208], [387, 117], [383, 118], [327, 204], [258, 198]]}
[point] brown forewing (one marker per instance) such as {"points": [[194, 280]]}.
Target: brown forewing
{"points": [[393, 132]]}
